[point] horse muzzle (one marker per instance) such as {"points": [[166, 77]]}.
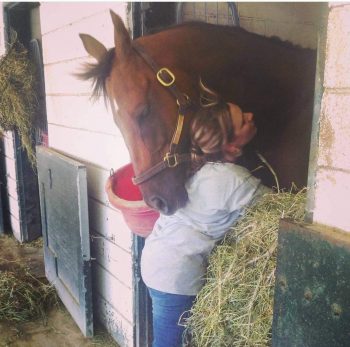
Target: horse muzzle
{"points": [[167, 205], [166, 192], [160, 204]]}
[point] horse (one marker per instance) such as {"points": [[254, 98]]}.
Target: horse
{"points": [[152, 85]]}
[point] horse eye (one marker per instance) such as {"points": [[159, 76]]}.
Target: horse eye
{"points": [[143, 116]]}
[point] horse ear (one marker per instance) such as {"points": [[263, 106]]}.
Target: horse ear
{"points": [[93, 47], [122, 39]]}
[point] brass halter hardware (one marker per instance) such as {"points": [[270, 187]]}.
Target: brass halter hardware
{"points": [[167, 79], [161, 80], [171, 160]]}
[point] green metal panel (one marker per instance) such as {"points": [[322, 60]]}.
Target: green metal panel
{"points": [[312, 293], [64, 211]]}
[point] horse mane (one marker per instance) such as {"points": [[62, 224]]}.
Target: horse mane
{"points": [[98, 72]]}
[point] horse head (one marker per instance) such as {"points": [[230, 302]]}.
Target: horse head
{"points": [[147, 114], [149, 81]]}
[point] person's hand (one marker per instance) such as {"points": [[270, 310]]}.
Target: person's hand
{"points": [[244, 131]]}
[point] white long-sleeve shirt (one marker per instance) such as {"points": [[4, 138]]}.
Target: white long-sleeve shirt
{"points": [[174, 259]]}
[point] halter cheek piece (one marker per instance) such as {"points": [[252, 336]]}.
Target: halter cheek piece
{"points": [[171, 159]]}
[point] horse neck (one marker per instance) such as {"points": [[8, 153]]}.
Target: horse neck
{"points": [[207, 50], [182, 45]]}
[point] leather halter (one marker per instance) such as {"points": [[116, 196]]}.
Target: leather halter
{"points": [[171, 159]]}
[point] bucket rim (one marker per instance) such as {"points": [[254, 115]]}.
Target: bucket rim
{"points": [[120, 203]]}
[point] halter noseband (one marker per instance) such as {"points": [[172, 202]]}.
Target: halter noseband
{"points": [[171, 159]]}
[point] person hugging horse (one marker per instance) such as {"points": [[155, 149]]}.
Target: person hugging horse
{"points": [[174, 258], [219, 130]]}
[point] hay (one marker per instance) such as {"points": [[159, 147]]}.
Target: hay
{"points": [[235, 306], [18, 100], [38, 243], [24, 297]]}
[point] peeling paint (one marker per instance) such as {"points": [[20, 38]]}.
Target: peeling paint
{"points": [[327, 135]]}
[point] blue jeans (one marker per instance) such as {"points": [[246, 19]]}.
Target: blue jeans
{"points": [[168, 311]]}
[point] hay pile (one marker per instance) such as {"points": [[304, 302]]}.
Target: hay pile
{"points": [[235, 306], [18, 100], [24, 297]]}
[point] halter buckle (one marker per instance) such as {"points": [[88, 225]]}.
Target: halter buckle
{"points": [[170, 160], [161, 80], [186, 98]]}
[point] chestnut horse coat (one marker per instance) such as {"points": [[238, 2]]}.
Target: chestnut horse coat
{"points": [[271, 78]]}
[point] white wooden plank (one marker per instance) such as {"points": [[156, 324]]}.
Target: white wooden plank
{"points": [[14, 207], [15, 227], [65, 43], [12, 188], [120, 329], [87, 133], [113, 291], [54, 15], [104, 150], [110, 224], [81, 112], [335, 116], [10, 168], [9, 149], [113, 258], [97, 178], [332, 190], [60, 79], [9, 134]]}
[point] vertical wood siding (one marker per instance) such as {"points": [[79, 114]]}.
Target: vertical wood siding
{"points": [[332, 176], [85, 130], [12, 184]]}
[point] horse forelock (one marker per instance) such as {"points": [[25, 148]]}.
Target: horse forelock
{"points": [[98, 74]]}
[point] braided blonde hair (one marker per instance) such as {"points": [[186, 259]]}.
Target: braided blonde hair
{"points": [[211, 127]]}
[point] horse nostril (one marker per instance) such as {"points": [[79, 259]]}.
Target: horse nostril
{"points": [[159, 204]]}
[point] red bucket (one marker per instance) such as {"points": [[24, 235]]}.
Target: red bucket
{"points": [[127, 198]]}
